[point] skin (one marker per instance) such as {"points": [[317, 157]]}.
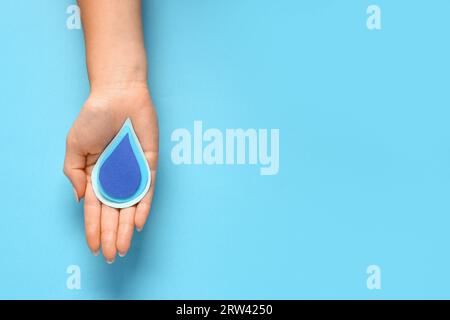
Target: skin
{"points": [[117, 69]]}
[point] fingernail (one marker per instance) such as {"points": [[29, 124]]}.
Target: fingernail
{"points": [[122, 254], [109, 261], [76, 195], [138, 229], [95, 253]]}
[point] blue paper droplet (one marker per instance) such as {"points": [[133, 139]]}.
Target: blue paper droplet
{"points": [[120, 174], [121, 177]]}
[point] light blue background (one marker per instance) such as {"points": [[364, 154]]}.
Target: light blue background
{"points": [[364, 160]]}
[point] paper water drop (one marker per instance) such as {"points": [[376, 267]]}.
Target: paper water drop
{"points": [[121, 177]]}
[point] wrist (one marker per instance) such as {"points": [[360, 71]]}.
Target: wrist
{"points": [[121, 92], [119, 76]]}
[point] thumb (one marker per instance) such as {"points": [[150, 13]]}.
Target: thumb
{"points": [[74, 169]]}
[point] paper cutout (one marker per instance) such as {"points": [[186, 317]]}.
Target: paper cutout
{"points": [[121, 177]]}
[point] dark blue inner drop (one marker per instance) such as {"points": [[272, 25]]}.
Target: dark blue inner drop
{"points": [[120, 175]]}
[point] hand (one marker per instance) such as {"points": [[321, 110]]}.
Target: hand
{"points": [[99, 121]]}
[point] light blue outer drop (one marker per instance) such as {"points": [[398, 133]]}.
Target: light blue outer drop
{"points": [[126, 132]]}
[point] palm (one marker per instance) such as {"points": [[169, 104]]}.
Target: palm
{"points": [[99, 121]]}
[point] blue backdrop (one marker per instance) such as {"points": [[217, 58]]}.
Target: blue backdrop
{"points": [[364, 174]]}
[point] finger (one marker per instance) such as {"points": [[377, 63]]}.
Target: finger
{"points": [[92, 212], [109, 223], [125, 232], [144, 206], [74, 165]]}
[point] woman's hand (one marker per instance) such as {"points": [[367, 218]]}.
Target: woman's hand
{"points": [[117, 67], [99, 121]]}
